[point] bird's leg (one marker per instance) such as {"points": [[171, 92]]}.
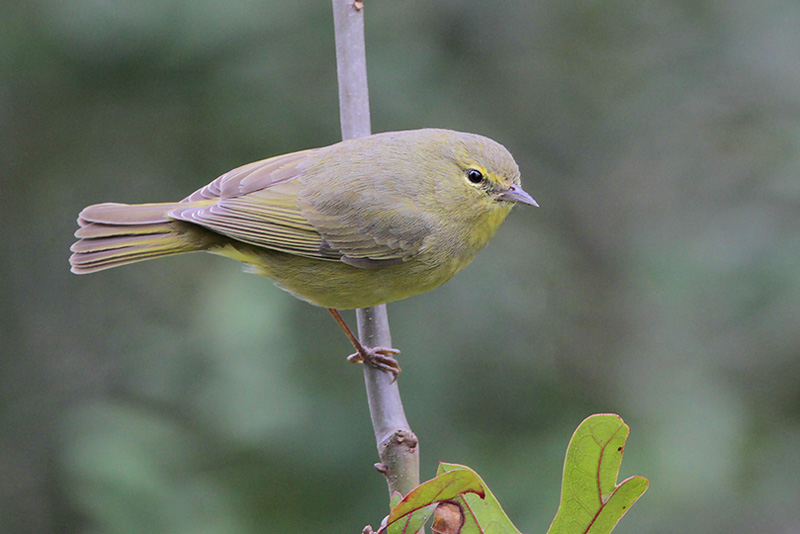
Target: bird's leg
{"points": [[379, 357]]}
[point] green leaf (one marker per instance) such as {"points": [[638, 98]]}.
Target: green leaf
{"points": [[482, 515], [591, 500], [411, 513]]}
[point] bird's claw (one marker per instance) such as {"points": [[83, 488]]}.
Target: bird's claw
{"points": [[378, 357]]}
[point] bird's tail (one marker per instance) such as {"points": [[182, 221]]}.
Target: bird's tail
{"points": [[113, 234]]}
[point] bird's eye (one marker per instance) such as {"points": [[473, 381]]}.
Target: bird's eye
{"points": [[475, 176]]}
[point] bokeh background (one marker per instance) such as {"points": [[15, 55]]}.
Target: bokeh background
{"points": [[660, 279]]}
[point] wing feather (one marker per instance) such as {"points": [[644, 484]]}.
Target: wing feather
{"points": [[257, 204], [260, 204]]}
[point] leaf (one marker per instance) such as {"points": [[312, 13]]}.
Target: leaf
{"points": [[481, 515], [591, 500], [411, 513]]}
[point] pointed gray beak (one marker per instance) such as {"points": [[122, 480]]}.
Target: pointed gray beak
{"points": [[516, 194]]}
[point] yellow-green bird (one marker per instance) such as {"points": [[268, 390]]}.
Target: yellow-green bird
{"points": [[356, 224]]}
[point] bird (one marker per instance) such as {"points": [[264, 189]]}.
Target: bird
{"points": [[362, 222]]}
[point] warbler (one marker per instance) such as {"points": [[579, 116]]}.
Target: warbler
{"points": [[355, 224]]}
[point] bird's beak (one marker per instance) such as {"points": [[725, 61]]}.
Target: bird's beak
{"points": [[516, 194]]}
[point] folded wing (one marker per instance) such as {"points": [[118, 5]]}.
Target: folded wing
{"points": [[259, 204]]}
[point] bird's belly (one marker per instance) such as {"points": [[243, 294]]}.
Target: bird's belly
{"points": [[333, 284]]}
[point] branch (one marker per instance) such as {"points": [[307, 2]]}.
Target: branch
{"points": [[397, 444]]}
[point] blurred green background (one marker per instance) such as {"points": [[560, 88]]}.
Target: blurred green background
{"points": [[659, 280]]}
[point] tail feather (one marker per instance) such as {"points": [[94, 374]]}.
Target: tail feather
{"points": [[117, 234], [88, 231], [127, 214]]}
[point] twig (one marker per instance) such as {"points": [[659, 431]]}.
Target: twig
{"points": [[397, 444]]}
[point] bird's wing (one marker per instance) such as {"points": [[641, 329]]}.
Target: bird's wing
{"points": [[258, 204], [372, 223], [253, 177]]}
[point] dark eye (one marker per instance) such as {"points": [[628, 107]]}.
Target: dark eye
{"points": [[475, 176]]}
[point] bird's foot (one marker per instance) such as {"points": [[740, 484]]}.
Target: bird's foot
{"points": [[378, 357]]}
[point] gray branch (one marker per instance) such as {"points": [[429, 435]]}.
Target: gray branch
{"points": [[397, 445]]}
